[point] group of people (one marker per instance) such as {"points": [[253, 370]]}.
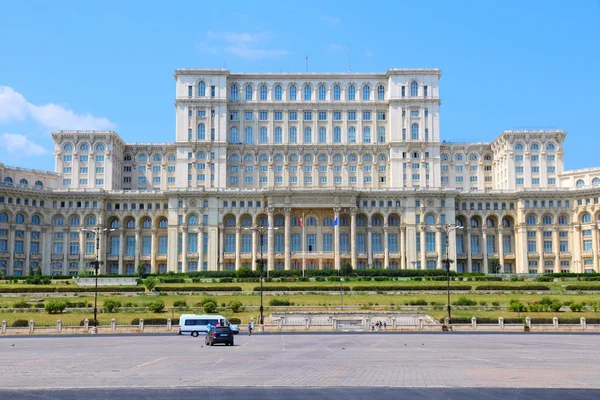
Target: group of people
{"points": [[378, 325]]}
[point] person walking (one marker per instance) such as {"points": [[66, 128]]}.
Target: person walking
{"points": [[249, 328]]}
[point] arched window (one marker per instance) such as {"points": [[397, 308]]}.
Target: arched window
{"points": [[430, 220], [393, 221], [263, 92], [377, 220], [263, 221], [337, 135], [505, 223], [163, 223], [230, 221], [84, 147], [68, 147], [307, 93], [361, 220], [458, 157], [156, 158], [535, 147], [39, 184], [171, 158], [35, 220], [3, 217], [366, 92], [337, 92], [278, 158], [20, 219], [414, 89], [142, 158], [531, 219], [264, 135], [519, 147], [550, 146], [344, 221], [192, 220], [90, 220], [233, 136], [311, 221], [380, 92], [595, 181], [59, 220], [248, 92], [278, 92], [586, 218], [547, 220], [474, 222], [279, 221], [580, 183], [201, 132], [114, 224], [366, 135], [100, 147], [322, 135], [233, 95], [23, 182], [130, 223], [563, 220], [147, 223], [414, 132], [487, 157], [322, 92], [308, 158], [327, 221], [473, 157], [74, 220], [489, 222], [444, 157], [416, 154], [292, 93], [246, 221], [201, 89], [351, 93]]}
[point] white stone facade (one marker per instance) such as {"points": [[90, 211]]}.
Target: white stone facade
{"points": [[257, 150]]}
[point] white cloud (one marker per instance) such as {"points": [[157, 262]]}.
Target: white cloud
{"points": [[245, 45], [336, 48], [14, 106], [331, 20], [206, 48], [369, 53], [20, 145]]}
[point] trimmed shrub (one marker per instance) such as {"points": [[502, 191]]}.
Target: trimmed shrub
{"points": [[516, 306], [412, 288], [236, 306], [512, 287], [226, 280], [154, 321], [301, 288], [72, 289], [55, 306], [198, 289], [576, 307], [20, 323], [21, 304], [209, 307], [418, 302], [180, 304], [111, 306], [582, 287], [157, 306], [235, 320], [171, 280], [464, 301], [280, 302]]}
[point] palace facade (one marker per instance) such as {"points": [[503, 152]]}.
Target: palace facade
{"points": [[339, 167]]}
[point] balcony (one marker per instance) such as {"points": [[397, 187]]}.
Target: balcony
{"points": [[128, 257], [73, 257], [161, 257], [4, 254], [533, 254], [19, 254], [112, 257], [145, 257], [57, 256], [89, 256], [35, 256], [191, 255]]}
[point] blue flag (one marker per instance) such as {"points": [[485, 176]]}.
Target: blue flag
{"points": [[335, 222]]}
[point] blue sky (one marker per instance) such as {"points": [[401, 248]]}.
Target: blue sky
{"points": [[109, 64]]}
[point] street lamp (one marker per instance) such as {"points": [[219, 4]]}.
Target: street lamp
{"points": [[261, 231], [341, 295], [446, 229], [96, 230]]}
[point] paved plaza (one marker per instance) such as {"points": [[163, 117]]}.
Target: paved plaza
{"points": [[376, 360]]}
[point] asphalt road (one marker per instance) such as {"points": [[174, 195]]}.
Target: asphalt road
{"points": [[302, 366]]}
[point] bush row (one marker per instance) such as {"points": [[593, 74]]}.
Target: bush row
{"points": [[512, 287], [62, 289], [582, 287], [301, 288], [381, 288], [199, 289]]}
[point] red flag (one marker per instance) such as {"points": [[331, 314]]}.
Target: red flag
{"points": [[300, 222]]}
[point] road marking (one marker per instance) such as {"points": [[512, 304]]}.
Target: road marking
{"points": [[151, 362]]}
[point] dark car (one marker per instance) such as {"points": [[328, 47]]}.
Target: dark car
{"points": [[219, 334]]}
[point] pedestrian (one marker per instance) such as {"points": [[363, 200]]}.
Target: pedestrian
{"points": [[372, 326], [208, 326], [385, 325], [249, 328]]}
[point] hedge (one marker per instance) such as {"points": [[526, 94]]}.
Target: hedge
{"points": [[199, 288], [20, 323], [301, 288], [71, 289], [381, 288], [512, 287], [582, 287], [483, 320], [155, 321]]}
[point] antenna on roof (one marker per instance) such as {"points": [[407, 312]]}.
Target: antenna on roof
{"points": [[307, 63], [224, 64], [349, 66]]}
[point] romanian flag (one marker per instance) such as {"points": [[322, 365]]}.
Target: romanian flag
{"points": [[300, 222]]}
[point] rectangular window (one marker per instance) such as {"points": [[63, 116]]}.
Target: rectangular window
{"points": [[296, 242], [264, 116], [293, 116], [366, 115], [322, 116], [360, 242], [248, 116], [475, 244], [337, 116], [430, 242], [351, 115], [491, 244], [328, 242]]}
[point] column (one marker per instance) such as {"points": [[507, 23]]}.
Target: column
{"points": [[102, 257], [540, 248], [138, 246], [82, 236], [485, 253], [353, 237], [369, 244], [386, 257], [27, 250], [336, 235], [438, 248], [270, 242], [423, 248], [65, 261], [577, 249], [121, 251], [153, 266], [556, 248], [184, 248], [201, 248], [220, 250], [238, 248], [467, 247], [402, 247], [45, 251], [11, 250], [595, 246], [501, 248], [288, 212], [254, 247]]}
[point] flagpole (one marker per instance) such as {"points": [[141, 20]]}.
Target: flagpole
{"points": [[303, 246]]}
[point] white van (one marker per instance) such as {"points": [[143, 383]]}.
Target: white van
{"points": [[195, 324]]}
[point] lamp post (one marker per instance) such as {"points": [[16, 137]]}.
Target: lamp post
{"points": [[261, 231], [341, 295], [96, 230], [446, 229]]}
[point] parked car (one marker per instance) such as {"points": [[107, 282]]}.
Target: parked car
{"points": [[219, 334]]}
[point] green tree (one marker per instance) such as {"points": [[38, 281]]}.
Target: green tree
{"points": [[111, 306], [346, 269], [141, 270], [39, 271], [236, 306], [245, 272], [210, 307], [494, 266], [31, 271], [150, 283], [157, 306], [55, 306]]}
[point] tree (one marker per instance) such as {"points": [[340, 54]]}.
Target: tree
{"points": [[209, 307], [346, 269], [31, 271], [141, 270], [245, 272], [494, 266], [150, 283], [39, 271]]}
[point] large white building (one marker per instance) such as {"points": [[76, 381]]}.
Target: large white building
{"points": [[342, 167]]}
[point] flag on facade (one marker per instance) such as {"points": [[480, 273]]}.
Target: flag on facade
{"points": [[300, 222], [335, 221]]}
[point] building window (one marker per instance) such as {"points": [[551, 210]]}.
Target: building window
{"points": [[414, 89]]}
